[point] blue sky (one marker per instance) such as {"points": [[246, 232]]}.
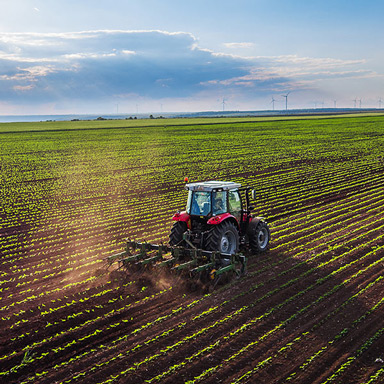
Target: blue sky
{"points": [[98, 56]]}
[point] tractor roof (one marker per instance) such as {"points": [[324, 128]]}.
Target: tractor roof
{"points": [[212, 185]]}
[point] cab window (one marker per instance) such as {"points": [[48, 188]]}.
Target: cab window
{"points": [[219, 202], [234, 202]]}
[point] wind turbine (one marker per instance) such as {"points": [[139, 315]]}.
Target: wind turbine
{"points": [[273, 103], [354, 101], [223, 102], [334, 103], [380, 101], [286, 100], [360, 103]]}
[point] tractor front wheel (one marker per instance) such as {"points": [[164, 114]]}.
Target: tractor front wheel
{"points": [[224, 238], [259, 240], [177, 231]]}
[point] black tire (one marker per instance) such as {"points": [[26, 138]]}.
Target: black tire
{"points": [[259, 238], [224, 238], [177, 231]]}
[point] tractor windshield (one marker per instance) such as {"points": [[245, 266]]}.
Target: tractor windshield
{"points": [[199, 203]]}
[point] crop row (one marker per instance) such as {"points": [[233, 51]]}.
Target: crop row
{"points": [[167, 333]]}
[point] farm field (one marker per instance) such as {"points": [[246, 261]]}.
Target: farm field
{"points": [[310, 310]]}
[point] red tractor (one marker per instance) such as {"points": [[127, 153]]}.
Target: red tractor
{"points": [[205, 239], [218, 218]]}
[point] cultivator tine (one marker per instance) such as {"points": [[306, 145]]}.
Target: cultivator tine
{"points": [[196, 256], [129, 257], [185, 265], [133, 258], [204, 257], [148, 260], [201, 268], [159, 256], [243, 261], [167, 262], [116, 257], [119, 256], [176, 253]]}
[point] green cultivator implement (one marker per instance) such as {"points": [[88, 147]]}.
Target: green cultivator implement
{"points": [[192, 262], [206, 238]]}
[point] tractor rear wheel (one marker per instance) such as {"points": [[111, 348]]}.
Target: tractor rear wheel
{"points": [[224, 238], [177, 231], [259, 241]]}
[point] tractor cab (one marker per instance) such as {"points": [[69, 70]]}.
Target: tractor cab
{"points": [[213, 198]]}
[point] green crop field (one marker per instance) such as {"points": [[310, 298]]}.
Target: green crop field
{"points": [[128, 123], [308, 311]]}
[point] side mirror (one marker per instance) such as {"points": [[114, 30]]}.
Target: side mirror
{"points": [[253, 194]]}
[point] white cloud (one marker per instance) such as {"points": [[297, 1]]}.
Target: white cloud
{"points": [[294, 72], [94, 66], [23, 87], [239, 45]]}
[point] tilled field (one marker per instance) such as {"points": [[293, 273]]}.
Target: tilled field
{"points": [[309, 310]]}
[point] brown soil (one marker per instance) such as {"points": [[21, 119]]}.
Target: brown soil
{"points": [[300, 318]]}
